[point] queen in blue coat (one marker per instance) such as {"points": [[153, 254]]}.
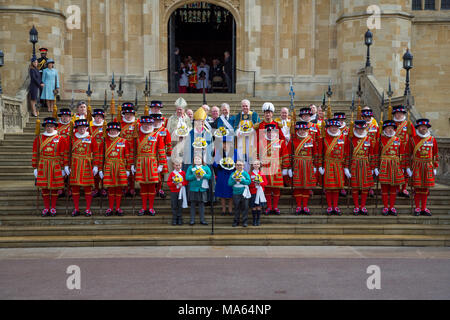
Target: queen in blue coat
{"points": [[223, 172], [51, 82]]}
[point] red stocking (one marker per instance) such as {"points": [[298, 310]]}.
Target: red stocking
{"points": [[46, 196], [118, 192], [111, 197], [144, 195], [356, 198], [364, 194], [298, 197], [76, 197], [54, 198], [88, 197], [385, 195], [151, 195], [276, 197], [305, 197], [392, 196]]}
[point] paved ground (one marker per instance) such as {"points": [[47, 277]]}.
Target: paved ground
{"points": [[225, 273]]}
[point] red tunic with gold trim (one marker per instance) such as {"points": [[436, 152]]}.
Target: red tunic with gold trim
{"points": [[333, 151], [402, 131], [314, 130], [51, 161], [392, 160], [150, 154], [424, 159], [64, 130], [97, 133], [85, 155], [361, 159], [373, 131], [128, 133], [274, 157], [167, 139], [117, 162], [305, 152]]}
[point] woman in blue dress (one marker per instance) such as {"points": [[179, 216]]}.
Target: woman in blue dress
{"points": [[223, 170], [51, 82]]}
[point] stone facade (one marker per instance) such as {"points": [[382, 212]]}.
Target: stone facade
{"points": [[311, 41]]}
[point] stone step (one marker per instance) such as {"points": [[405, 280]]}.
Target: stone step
{"points": [[316, 210], [166, 219], [225, 239], [17, 177], [29, 199], [197, 229], [16, 169]]}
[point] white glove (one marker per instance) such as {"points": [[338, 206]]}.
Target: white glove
{"points": [[284, 172], [290, 173], [409, 172], [435, 171], [315, 170], [376, 172], [95, 170], [35, 173], [67, 170], [100, 174], [128, 173], [322, 171], [168, 159], [347, 173], [160, 168], [133, 170], [63, 173]]}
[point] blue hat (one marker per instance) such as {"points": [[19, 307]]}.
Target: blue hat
{"points": [[50, 61], [156, 116], [156, 103], [333, 122], [301, 125], [306, 111], [399, 109], [81, 123], [128, 107], [360, 124], [422, 122], [390, 123], [50, 120], [98, 112], [339, 115], [367, 113], [64, 112], [147, 119], [33, 59], [113, 125]]}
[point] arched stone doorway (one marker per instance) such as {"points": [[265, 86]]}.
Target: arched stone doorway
{"points": [[202, 31]]}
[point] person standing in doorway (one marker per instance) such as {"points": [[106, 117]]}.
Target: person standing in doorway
{"points": [[227, 70]]}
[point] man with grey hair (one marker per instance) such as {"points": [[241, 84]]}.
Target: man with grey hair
{"points": [[215, 113]]}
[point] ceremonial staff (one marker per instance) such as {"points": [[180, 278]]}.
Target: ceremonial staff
{"points": [[378, 142], [89, 108], [55, 107], [37, 133], [409, 131], [112, 109], [350, 135], [119, 95], [70, 136], [146, 94], [328, 109], [292, 129]]}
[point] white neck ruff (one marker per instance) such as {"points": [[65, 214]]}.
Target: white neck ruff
{"points": [[129, 121], [360, 136], [401, 120], [54, 133], [81, 136], [302, 136], [337, 134], [426, 135], [63, 123], [113, 136], [146, 132], [98, 125], [387, 135]]}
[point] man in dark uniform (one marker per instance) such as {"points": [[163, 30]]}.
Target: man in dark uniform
{"points": [[42, 64]]}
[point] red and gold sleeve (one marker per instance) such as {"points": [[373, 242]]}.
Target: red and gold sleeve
{"points": [[435, 154], [161, 154]]}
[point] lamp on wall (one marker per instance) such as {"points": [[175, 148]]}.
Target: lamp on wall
{"points": [[407, 65], [34, 39], [368, 40]]}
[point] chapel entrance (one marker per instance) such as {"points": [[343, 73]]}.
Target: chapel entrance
{"points": [[202, 32]]}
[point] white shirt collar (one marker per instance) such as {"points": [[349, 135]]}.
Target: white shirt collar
{"points": [[114, 136], [389, 136], [98, 125], [401, 120], [360, 136]]}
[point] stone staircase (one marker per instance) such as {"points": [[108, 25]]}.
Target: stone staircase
{"points": [[22, 226]]}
